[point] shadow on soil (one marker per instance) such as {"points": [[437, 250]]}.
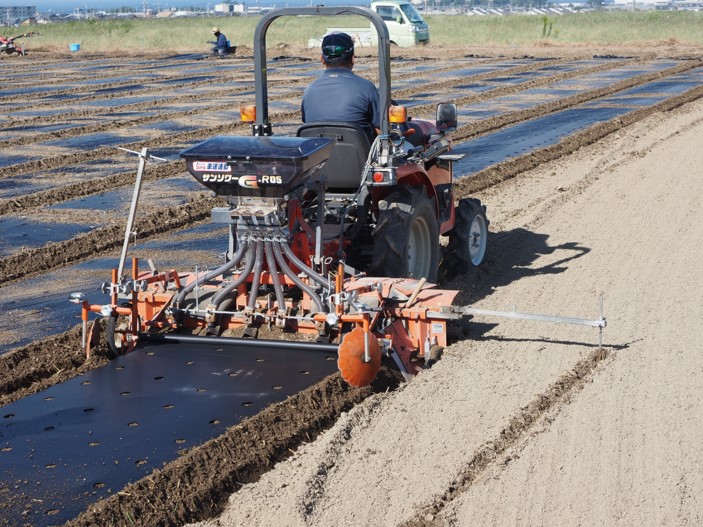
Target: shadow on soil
{"points": [[510, 257]]}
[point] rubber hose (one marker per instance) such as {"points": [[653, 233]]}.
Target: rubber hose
{"points": [[277, 287], [256, 278], [212, 274], [303, 267], [289, 273], [217, 299]]}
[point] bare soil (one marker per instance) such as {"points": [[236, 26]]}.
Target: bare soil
{"points": [[518, 424], [535, 425]]}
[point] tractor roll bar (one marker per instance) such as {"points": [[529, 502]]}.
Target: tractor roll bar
{"points": [[260, 74]]}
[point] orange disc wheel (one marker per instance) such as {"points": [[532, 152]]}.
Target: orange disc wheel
{"points": [[351, 358]]}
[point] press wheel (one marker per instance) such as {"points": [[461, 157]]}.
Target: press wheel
{"points": [[351, 358]]}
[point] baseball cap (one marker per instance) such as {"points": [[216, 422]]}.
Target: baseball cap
{"points": [[215, 29], [337, 46]]}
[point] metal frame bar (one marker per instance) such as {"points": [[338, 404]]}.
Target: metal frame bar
{"points": [[246, 343]]}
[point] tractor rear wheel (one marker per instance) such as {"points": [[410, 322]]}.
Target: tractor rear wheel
{"points": [[406, 237], [468, 240]]}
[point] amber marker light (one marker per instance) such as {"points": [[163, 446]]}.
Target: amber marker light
{"points": [[397, 114], [247, 113]]}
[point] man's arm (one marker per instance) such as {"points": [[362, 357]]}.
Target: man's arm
{"points": [[374, 111], [302, 103]]}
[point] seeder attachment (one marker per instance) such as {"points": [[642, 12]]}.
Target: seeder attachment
{"points": [[363, 318], [285, 268]]}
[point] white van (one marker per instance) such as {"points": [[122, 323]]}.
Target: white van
{"points": [[406, 27]]}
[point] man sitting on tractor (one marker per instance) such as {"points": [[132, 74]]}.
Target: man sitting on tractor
{"points": [[339, 95]]}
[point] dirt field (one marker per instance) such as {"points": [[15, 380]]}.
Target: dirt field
{"points": [[521, 423], [531, 425]]}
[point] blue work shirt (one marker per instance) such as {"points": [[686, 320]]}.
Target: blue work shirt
{"points": [[220, 43], [339, 95]]}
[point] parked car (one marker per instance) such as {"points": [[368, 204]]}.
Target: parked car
{"points": [[406, 28], [405, 25]]}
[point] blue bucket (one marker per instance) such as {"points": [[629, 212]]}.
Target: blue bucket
{"points": [[74, 47]]}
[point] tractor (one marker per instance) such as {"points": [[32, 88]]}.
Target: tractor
{"points": [[9, 47], [330, 234]]}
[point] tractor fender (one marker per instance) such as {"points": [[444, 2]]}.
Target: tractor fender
{"points": [[439, 188], [414, 175], [410, 175]]}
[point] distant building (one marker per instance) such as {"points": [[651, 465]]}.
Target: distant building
{"points": [[13, 15], [229, 8], [223, 8], [662, 5]]}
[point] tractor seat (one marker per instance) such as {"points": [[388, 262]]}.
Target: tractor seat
{"points": [[345, 165]]}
